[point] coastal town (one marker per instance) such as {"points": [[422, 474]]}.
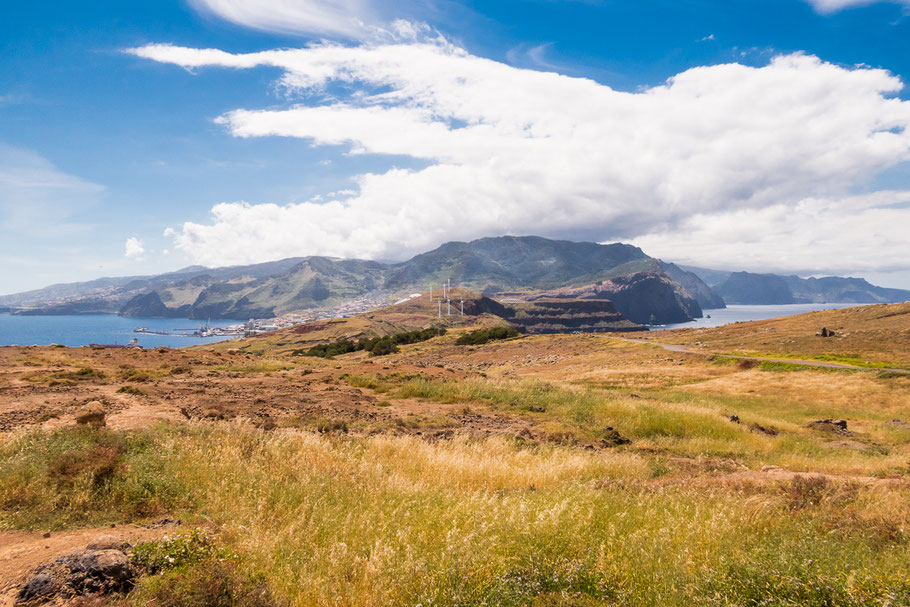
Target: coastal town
{"points": [[257, 326]]}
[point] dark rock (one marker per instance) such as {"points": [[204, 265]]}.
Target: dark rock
{"points": [[734, 418], [763, 429], [837, 426], [79, 573], [39, 586], [98, 571], [165, 522], [109, 542], [613, 437]]}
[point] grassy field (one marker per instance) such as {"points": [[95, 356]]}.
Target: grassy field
{"points": [[545, 470], [873, 336], [400, 521]]}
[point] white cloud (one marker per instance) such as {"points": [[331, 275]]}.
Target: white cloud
{"points": [[351, 19], [865, 233], [528, 152], [832, 6], [134, 248], [339, 17]]}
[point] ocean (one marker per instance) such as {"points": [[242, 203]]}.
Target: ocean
{"points": [[732, 314], [82, 330], [110, 329]]}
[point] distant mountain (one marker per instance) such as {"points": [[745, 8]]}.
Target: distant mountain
{"points": [[518, 265], [706, 297], [108, 295], [494, 265], [749, 288]]}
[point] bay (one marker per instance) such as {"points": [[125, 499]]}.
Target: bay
{"points": [[82, 330]]}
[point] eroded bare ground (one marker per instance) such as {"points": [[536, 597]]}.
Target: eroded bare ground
{"points": [[41, 386], [45, 386]]}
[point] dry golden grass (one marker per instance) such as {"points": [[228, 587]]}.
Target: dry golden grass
{"points": [[878, 334]]}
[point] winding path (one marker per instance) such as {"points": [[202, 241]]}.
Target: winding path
{"points": [[789, 361]]}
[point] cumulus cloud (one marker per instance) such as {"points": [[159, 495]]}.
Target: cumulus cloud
{"points": [[832, 6], [529, 152], [134, 248], [863, 233]]}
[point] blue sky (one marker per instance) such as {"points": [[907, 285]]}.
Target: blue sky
{"points": [[126, 148]]}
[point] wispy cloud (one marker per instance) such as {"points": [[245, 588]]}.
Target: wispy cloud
{"points": [[832, 6], [350, 19]]}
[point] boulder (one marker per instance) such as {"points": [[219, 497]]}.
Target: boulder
{"points": [[613, 437], [109, 542], [79, 573], [91, 414], [837, 426], [38, 587]]}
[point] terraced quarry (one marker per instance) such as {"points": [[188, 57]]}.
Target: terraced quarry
{"points": [[570, 469]]}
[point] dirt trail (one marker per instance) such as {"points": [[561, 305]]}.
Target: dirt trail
{"points": [[790, 361], [21, 551]]}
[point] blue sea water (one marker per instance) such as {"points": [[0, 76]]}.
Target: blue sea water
{"points": [[110, 329], [83, 330], [731, 314]]}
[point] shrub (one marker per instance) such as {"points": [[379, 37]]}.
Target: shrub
{"points": [[177, 552], [82, 475], [482, 336], [210, 583], [377, 346], [130, 390]]}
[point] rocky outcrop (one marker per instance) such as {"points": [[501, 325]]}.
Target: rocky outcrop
{"points": [[554, 315], [643, 298], [80, 573]]}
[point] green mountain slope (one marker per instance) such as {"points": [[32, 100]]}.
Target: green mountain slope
{"points": [[526, 264]]}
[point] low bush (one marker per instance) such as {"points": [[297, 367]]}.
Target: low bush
{"points": [[81, 476], [476, 338], [376, 346]]}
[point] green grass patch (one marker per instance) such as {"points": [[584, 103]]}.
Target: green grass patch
{"points": [[82, 476]]}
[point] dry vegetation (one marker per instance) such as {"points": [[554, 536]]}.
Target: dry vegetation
{"points": [[548, 470], [866, 336]]}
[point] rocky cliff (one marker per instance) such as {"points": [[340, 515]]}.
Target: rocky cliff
{"points": [[644, 298], [555, 315]]}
